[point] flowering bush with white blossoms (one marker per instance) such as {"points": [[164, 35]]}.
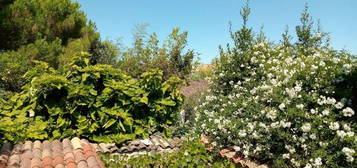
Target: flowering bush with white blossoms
{"points": [[288, 104]]}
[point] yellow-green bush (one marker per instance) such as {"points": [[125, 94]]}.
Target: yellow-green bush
{"points": [[97, 102]]}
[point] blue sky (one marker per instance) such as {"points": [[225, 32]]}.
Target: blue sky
{"points": [[207, 20]]}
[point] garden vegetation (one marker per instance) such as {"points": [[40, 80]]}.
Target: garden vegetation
{"points": [[290, 104]]}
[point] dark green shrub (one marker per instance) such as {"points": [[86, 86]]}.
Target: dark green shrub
{"points": [[92, 101]]}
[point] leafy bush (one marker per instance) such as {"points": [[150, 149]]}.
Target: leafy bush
{"points": [[191, 154], [93, 101], [172, 58], [290, 104]]}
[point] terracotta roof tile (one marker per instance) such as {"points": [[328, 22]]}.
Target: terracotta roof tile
{"points": [[47, 161], [37, 145], [36, 162], [71, 165], [27, 145], [88, 154], [82, 164], [87, 148], [25, 163], [69, 153], [92, 161], [2, 165], [37, 153], [79, 156], [46, 144], [76, 143], [48, 166], [46, 153], [60, 166], [58, 160]]}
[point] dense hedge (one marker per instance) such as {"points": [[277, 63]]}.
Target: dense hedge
{"points": [[92, 101], [290, 104]]}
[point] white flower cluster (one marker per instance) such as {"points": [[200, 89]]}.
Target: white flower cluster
{"points": [[349, 153], [286, 98]]}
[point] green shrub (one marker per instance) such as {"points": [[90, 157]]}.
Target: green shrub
{"points": [[92, 101], [290, 104], [191, 154], [172, 57]]}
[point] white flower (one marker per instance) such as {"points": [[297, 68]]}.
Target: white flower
{"points": [[286, 155], [346, 127], [246, 152], [350, 134], [330, 101], [282, 106], [271, 114], [349, 153], [334, 126], [236, 148], [339, 105], [313, 111], [323, 144], [306, 127], [242, 133], [313, 136], [318, 162], [348, 112], [300, 106], [341, 133], [326, 112], [308, 165], [322, 63]]}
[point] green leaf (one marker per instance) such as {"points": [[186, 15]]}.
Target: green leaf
{"points": [[167, 102], [109, 123], [85, 76], [121, 126], [60, 121], [56, 134], [93, 92], [144, 100]]}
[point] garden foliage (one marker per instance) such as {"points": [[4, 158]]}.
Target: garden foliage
{"points": [[291, 104], [146, 53], [97, 102], [191, 154], [48, 30]]}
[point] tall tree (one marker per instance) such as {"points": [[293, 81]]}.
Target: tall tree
{"points": [[47, 30]]}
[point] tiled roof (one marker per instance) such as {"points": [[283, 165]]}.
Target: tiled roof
{"points": [[56, 154], [194, 87], [152, 145]]}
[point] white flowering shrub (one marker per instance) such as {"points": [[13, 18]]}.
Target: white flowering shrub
{"points": [[291, 104]]}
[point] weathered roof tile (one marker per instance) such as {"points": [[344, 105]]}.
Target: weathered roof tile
{"points": [[27, 145], [37, 145], [25, 163], [79, 156], [60, 166], [82, 164], [58, 160], [47, 161], [36, 162], [92, 161], [56, 154], [76, 143]]}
